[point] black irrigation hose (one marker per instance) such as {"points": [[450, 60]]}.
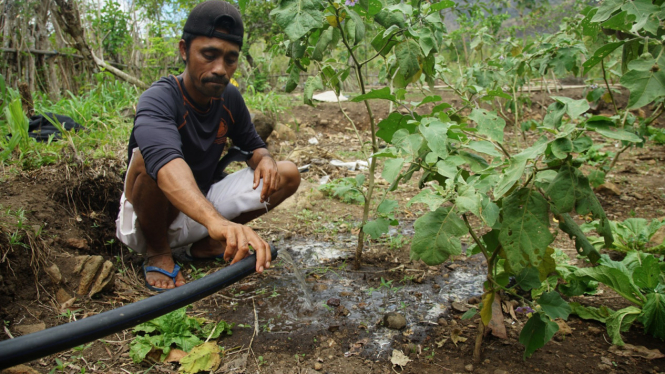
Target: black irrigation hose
{"points": [[59, 338]]}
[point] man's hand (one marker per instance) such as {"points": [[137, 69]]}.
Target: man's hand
{"points": [[266, 170], [238, 238]]}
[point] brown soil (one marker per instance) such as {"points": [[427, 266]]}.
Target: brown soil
{"points": [[75, 209]]}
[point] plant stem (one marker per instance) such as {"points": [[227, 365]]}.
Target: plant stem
{"points": [[616, 157], [362, 144], [602, 65], [475, 238], [375, 148], [656, 113]]}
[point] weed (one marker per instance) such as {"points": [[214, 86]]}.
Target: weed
{"points": [[59, 365], [262, 361], [174, 329], [196, 273]]}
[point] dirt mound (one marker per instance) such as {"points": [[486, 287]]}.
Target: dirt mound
{"points": [[49, 217]]}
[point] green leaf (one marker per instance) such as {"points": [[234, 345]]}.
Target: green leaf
{"points": [[217, 329], [510, 176], [376, 228], [601, 53], [645, 80], [313, 83], [653, 317], [392, 168], [360, 180], [426, 40], [354, 27], [394, 122], [554, 306], [485, 147], [322, 45], [469, 314], [297, 17], [537, 331], [647, 275], [436, 134], [598, 314], [437, 236], [574, 108], [139, 348], [489, 124], [554, 115], [528, 278], [606, 9], [525, 233], [430, 99], [617, 278], [568, 187], [383, 93], [582, 244], [428, 197], [619, 135], [408, 55], [620, 321], [641, 10], [441, 5], [205, 357], [620, 21], [387, 206], [468, 200], [293, 80], [384, 43], [387, 18], [489, 212], [561, 147], [446, 168], [596, 178]]}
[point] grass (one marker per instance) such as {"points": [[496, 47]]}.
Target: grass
{"points": [[101, 111]]}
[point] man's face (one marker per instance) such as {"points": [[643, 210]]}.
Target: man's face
{"points": [[211, 63]]}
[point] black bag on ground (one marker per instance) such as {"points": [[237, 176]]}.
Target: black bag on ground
{"points": [[40, 128]]}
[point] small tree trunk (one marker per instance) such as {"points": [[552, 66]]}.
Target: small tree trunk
{"points": [[26, 99], [69, 19]]}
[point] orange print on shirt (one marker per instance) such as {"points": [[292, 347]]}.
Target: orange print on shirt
{"points": [[221, 132]]}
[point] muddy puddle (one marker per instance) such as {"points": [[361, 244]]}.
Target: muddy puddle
{"points": [[337, 297]]}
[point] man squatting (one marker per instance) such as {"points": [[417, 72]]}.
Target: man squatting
{"points": [[172, 194]]}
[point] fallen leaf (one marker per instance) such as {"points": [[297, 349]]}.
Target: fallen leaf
{"points": [[630, 350], [399, 358], [235, 366], [356, 348], [441, 342], [455, 336], [564, 329], [496, 323], [204, 357], [175, 355], [407, 332]]}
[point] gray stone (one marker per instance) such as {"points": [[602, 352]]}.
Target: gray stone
{"points": [[264, 125], [394, 321]]}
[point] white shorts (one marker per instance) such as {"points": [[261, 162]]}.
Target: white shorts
{"points": [[231, 196]]}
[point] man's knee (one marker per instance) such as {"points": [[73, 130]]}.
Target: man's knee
{"points": [[290, 176]]}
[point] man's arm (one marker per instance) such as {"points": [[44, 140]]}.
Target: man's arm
{"points": [[265, 168], [177, 182]]}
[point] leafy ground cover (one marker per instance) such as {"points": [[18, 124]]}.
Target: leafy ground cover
{"points": [[58, 213]]}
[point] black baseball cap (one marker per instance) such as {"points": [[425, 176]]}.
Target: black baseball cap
{"points": [[212, 14]]}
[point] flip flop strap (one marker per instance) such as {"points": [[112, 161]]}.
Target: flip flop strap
{"points": [[171, 275]]}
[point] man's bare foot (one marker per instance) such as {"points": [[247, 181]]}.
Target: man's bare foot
{"points": [[160, 280], [207, 248]]}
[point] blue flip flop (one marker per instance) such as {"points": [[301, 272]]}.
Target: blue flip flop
{"points": [[188, 256], [172, 275]]}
